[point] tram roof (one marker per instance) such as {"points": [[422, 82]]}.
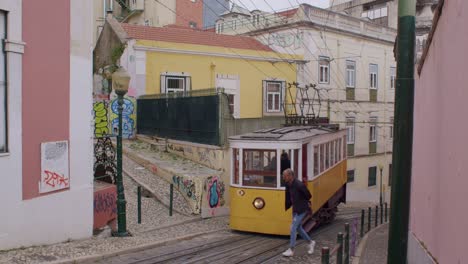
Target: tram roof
{"points": [[291, 133]]}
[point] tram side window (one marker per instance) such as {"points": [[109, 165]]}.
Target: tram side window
{"points": [[344, 147], [235, 160], [332, 154], [337, 158], [260, 168], [327, 156], [316, 160], [287, 162], [322, 158], [339, 150]]}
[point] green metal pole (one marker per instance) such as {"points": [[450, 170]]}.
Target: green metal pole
{"points": [[363, 212], [121, 203], [369, 217], [325, 255], [339, 254], [139, 204], [376, 215], [403, 140], [171, 197], [386, 212], [381, 186], [346, 244], [381, 214]]}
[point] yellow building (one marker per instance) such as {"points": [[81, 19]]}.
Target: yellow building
{"points": [[175, 59]]}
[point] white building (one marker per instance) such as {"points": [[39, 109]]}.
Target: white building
{"points": [[46, 151], [351, 62], [382, 12]]}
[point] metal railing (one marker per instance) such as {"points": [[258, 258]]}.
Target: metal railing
{"points": [[343, 250]]}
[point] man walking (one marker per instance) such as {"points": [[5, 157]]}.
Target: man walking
{"points": [[297, 196]]}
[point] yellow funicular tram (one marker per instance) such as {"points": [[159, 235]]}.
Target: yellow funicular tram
{"points": [[316, 154]]}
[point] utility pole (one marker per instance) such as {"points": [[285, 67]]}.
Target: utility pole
{"points": [[403, 141]]}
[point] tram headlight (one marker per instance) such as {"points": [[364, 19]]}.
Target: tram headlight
{"points": [[259, 203]]}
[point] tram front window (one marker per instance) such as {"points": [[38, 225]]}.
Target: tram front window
{"points": [[259, 168]]}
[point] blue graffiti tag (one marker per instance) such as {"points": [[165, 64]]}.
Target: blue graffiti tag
{"points": [[128, 124], [214, 195]]}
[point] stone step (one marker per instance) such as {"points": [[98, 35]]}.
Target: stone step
{"points": [[191, 179]]}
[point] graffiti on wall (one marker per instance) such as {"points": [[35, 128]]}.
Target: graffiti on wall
{"points": [[54, 166], [105, 203], [214, 189], [128, 117], [104, 160], [208, 157], [286, 40], [101, 119], [187, 187], [190, 189]]}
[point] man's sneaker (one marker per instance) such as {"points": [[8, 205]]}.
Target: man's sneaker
{"points": [[311, 247], [288, 253]]}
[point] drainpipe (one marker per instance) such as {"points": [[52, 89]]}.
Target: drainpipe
{"points": [[403, 141]]}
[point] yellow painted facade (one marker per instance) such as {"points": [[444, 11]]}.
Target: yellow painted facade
{"points": [[203, 68]]}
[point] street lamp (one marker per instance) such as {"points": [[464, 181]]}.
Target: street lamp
{"points": [[120, 81], [380, 168]]}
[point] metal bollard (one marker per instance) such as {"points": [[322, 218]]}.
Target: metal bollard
{"points": [[369, 220], [363, 212], [339, 254], [376, 215], [346, 244], [386, 211], [381, 214], [171, 197], [325, 255], [139, 204]]}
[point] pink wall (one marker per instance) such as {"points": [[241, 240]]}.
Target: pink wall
{"points": [[440, 160], [46, 83]]}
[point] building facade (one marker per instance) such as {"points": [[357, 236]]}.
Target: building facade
{"points": [[212, 10], [436, 233], [424, 15], [185, 13], [384, 13], [168, 59], [45, 134], [350, 63]]}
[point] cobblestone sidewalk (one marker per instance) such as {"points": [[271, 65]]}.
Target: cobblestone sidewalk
{"points": [[157, 226]]}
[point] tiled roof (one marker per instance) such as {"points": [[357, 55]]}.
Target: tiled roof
{"points": [[190, 36], [288, 13]]}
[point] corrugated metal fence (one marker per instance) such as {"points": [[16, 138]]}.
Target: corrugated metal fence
{"points": [[193, 116]]}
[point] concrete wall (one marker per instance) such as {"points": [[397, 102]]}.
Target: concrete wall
{"points": [[108, 42], [439, 153], [11, 162], [67, 214]]}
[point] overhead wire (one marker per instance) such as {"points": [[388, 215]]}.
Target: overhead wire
{"points": [[237, 54]]}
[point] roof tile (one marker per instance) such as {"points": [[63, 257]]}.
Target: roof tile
{"points": [[190, 36]]}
